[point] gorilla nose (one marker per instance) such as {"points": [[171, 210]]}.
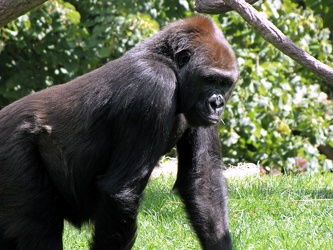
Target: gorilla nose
{"points": [[216, 102]]}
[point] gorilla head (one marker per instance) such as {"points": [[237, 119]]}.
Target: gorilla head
{"points": [[206, 68]]}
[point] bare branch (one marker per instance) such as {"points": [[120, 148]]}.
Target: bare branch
{"points": [[273, 35], [12, 9], [215, 6]]}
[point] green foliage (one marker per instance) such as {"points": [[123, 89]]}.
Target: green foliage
{"points": [[322, 8], [63, 39], [278, 112]]}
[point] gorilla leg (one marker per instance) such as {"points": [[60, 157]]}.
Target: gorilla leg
{"points": [[115, 222], [37, 229], [41, 237], [29, 214], [201, 186], [6, 243], [116, 212]]}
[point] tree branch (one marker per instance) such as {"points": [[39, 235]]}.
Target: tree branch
{"points": [[12, 9], [215, 6], [273, 35]]}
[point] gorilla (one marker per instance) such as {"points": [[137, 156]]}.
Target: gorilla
{"points": [[83, 151]]}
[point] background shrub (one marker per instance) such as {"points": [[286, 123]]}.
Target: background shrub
{"points": [[279, 113]]}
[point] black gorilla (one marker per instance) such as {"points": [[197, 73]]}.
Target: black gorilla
{"points": [[84, 150]]}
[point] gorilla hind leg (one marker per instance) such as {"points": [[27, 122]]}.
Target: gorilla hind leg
{"points": [[30, 214], [5, 243], [116, 212], [114, 226], [26, 234], [51, 240]]}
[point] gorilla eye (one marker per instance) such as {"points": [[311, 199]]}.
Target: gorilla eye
{"points": [[227, 83], [183, 57], [210, 79]]}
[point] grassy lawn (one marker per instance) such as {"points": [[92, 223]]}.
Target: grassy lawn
{"points": [[285, 212]]}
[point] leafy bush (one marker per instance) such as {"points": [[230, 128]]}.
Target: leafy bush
{"points": [[279, 112], [54, 43]]}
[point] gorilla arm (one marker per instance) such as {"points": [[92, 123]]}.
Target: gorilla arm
{"points": [[201, 186]]}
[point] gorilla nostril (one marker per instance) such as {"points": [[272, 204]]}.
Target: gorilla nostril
{"points": [[216, 102], [219, 101]]}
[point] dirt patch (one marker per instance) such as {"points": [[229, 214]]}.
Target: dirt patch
{"points": [[166, 168], [169, 167]]}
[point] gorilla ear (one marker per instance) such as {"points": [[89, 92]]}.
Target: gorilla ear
{"points": [[182, 58]]}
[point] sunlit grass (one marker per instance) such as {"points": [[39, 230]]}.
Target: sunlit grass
{"points": [[285, 212]]}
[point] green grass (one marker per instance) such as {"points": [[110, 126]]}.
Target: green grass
{"points": [[286, 212]]}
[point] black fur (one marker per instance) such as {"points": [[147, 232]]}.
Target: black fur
{"points": [[84, 151]]}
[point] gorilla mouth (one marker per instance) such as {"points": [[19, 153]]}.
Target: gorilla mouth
{"points": [[214, 119], [214, 106], [204, 116], [210, 119], [213, 116]]}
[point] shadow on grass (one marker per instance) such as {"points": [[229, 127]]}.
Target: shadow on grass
{"points": [[323, 193], [161, 199]]}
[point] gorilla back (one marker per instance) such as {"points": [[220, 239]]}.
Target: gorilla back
{"points": [[84, 150]]}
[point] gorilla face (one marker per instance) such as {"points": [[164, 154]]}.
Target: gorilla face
{"points": [[211, 95], [208, 73]]}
